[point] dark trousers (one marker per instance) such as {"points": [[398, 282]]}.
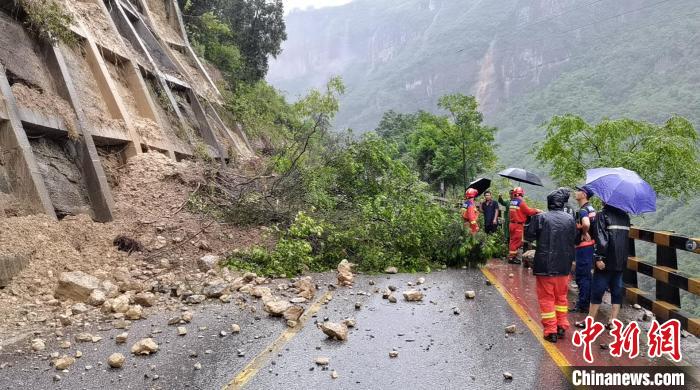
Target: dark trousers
{"points": [[604, 280], [584, 265], [490, 229]]}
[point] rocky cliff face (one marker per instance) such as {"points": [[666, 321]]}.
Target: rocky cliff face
{"points": [[405, 54], [399, 53]]}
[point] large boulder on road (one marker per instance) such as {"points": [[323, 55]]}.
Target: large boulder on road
{"points": [[276, 307], [413, 295], [334, 330], [205, 263], [145, 346], [391, 270], [76, 285], [306, 287], [293, 313]]}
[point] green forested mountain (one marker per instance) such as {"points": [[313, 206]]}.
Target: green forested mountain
{"points": [[525, 60]]}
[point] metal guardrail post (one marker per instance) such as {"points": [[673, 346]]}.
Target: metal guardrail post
{"points": [[629, 277], [666, 257]]}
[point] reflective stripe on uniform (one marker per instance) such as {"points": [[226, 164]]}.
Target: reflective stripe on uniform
{"points": [[618, 227], [561, 308], [549, 315]]}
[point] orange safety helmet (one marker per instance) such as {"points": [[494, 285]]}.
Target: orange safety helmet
{"points": [[518, 191], [471, 193]]}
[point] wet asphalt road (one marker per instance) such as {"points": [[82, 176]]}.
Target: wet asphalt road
{"points": [[437, 348]]}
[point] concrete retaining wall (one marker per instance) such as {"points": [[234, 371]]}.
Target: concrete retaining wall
{"points": [[125, 87]]}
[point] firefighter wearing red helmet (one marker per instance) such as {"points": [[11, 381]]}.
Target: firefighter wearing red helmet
{"points": [[519, 212], [471, 212]]}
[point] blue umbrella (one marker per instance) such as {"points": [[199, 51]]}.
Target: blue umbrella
{"points": [[622, 188]]}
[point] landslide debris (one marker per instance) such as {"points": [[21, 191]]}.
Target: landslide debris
{"points": [[75, 274]]}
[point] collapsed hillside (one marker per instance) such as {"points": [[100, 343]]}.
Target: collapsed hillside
{"points": [[151, 195]]}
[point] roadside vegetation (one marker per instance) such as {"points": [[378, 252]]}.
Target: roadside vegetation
{"points": [[47, 19], [336, 196], [330, 196]]}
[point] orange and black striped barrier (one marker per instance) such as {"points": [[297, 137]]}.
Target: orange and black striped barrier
{"points": [[666, 303]]}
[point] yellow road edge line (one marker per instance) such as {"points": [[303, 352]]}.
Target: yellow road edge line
{"points": [[252, 368], [559, 359]]}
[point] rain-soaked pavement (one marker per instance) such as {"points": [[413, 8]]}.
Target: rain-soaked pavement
{"points": [[437, 348]]}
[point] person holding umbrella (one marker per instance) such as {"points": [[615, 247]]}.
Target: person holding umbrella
{"points": [[611, 230], [622, 191], [518, 212]]}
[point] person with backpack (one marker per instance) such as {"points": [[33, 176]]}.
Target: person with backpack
{"points": [[611, 232]]}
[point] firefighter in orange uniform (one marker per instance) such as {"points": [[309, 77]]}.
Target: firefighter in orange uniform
{"points": [[519, 211], [471, 212]]}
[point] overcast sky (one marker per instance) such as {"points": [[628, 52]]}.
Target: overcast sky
{"points": [[291, 4]]}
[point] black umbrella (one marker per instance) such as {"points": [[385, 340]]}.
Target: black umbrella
{"points": [[521, 175], [481, 184]]}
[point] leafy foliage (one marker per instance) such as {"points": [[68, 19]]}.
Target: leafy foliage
{"points": [[667, 156], [370, 208], [456, 148], [459, 246], [396, 127], [292, 254], [260, 107], [356, 200], [278, 188], [214, 41], [450, 149], [49, 20], [237, 35]]}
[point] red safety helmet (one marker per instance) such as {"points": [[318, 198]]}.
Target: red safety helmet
{"points": [[471, 193], [518, 191]]}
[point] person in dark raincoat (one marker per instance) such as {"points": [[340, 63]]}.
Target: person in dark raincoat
{"points": [[611, 232], [555, 233]]}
